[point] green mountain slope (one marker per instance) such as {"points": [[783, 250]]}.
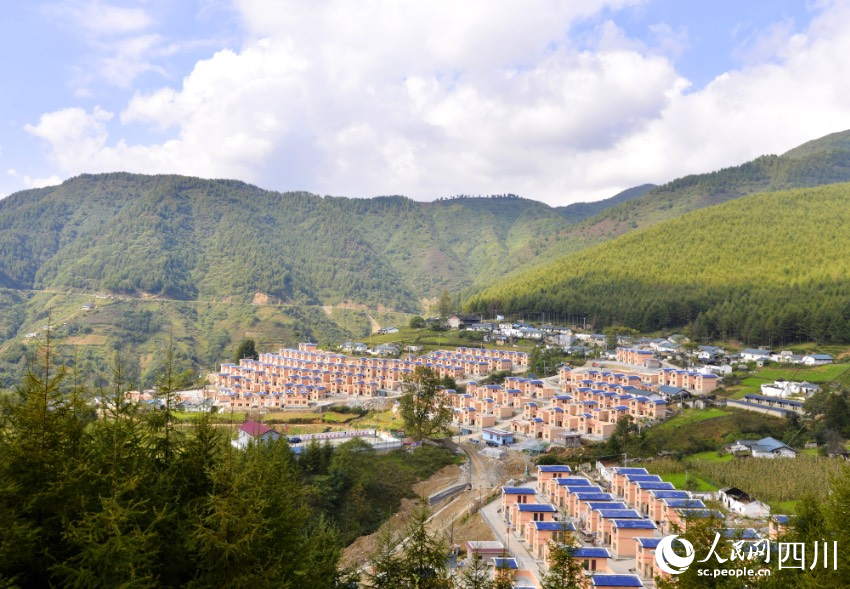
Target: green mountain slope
{"points": [[768, 268], [186, 238], [818, 162], [207, 263], [580, 211]]}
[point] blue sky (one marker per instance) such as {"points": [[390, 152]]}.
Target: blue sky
{"points": [[560, 101]]}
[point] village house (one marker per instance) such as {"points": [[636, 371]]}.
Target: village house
{"points": [[460, 321], [817, 359], [539, 533], [754, 355], [593, 560], [737, 501], [786, 388], [645, 558], [590, 523], [777, 406], [252, 432], [522, 514], [624, 532], [778, 526], [548, 472], [763, 448]]}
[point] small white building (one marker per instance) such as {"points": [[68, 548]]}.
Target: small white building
{"points": [[787, 388], [753, 355], [739, 502], [817, 359]]}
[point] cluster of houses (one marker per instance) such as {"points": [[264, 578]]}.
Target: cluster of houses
{"points": [[623, 517], [502, 332], [307, 375], [588, 404], [778, 399], [762, 355]]}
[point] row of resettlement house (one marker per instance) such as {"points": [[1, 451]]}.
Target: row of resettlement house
{"points": [[307, 375], [588, 404], [624, 519]]}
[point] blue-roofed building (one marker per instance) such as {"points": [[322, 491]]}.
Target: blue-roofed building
{"points": [[593, 559], [651, 543], [739, 534], [505, 563], [554, 526], [523, 515], [536, 508], [516, 495], [616, 581], [619, 514], [624, 532], [550, 472]]}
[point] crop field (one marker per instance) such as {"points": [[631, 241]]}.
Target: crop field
{"points": [[775, 480]]}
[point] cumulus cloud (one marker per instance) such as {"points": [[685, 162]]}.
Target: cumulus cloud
{"points": [[41, 182], [377, 97]]}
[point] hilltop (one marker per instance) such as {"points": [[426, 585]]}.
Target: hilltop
{"points": [[189, 239], [818, 162]]}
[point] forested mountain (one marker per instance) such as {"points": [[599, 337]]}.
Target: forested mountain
{"points": [[209, 262], [770, 268], [187, 238], [206, 263], [822, 161], [579, 211]]}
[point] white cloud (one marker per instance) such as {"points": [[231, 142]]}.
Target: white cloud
{"points": [[41, 182], [445, 98]]}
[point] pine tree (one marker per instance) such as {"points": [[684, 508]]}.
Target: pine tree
{"points": [[565, 570], [425, 556], [476, 574]]}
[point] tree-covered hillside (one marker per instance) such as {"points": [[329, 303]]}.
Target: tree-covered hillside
{"points": [[579, 211], [187, 238], [769, 268]]}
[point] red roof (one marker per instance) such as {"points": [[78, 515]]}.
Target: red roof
{"points": [[255, 429]]}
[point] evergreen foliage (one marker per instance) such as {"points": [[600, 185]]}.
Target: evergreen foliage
{"points": [[247, 349], [187, 238], [121, 497], [815, 163], [769, 268], [565, 570]]}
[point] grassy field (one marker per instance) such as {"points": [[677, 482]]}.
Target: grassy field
{"points": [[385, 420], [690, 418], [783, 507], [711, 456], [706, 430]]}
